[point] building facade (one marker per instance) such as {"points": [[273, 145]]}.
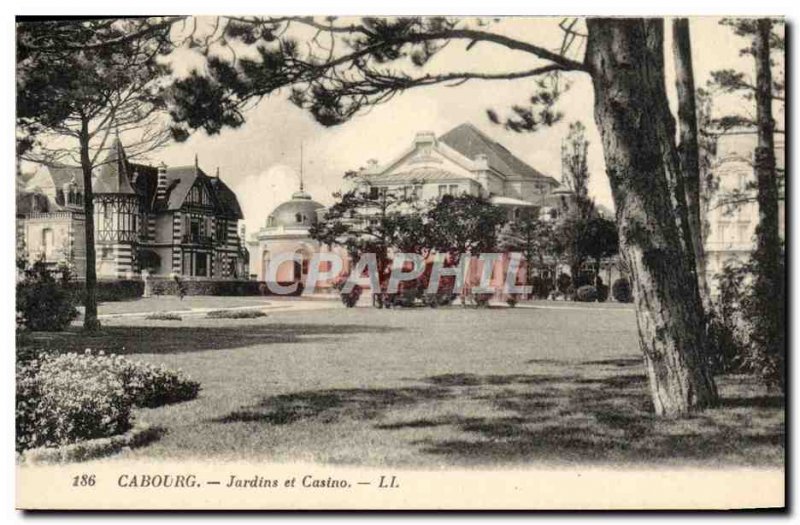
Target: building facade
{"points": [[732, 215], [467, 161], [165, 221]]}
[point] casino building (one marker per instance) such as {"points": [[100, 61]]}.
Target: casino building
{"points": [[463, 160]]}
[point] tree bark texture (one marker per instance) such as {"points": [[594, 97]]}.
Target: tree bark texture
{"points": [[688, 148], [90, 321], [625, 60]]}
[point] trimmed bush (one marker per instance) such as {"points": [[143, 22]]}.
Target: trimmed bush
{"points": [[602, 293], [621, 290], [586, 294], [42, 302], [235, 314], [63, 399]]}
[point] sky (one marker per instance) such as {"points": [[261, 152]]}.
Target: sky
{"points": [[261, 159]]}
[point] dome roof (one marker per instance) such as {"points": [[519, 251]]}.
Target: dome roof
{"points": [[300, 211]]}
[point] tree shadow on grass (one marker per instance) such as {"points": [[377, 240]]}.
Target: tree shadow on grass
{"points": [[181, 339], [603, 419], [328, 406]]}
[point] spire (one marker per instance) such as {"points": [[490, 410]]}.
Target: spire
{"points": [[301, 167], [114, 174], [217, 171], [196, 163]]}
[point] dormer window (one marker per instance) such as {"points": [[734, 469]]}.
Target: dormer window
{"points": [[298, 218]]}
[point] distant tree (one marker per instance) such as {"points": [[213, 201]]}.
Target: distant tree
{"points": [[373, 220], [770, 284], [533, 238], [764, 98], [599, 240], [464, 225], [78, 82], [574, 156]]}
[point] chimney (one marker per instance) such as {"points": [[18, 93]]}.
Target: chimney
{"points": [[161, 187]]}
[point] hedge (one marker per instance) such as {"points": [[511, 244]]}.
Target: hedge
{"points": [[168, 286], [107, 290]]}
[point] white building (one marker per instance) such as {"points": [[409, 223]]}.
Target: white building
{"points": [[732, 228]]}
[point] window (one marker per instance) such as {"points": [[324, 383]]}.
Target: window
{"points": [[201, 265], [442, 190], [106, 211], [60, 197], [373, 193], [453, 189], [298, 218], [194, 228], [47, 241]]}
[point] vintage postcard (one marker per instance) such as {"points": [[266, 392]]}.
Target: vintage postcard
{"points": [[409, 262]]}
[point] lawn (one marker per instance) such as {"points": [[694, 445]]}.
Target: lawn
{"points": [[429, 388]]}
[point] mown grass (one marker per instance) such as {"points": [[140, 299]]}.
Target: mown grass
{"points": [[431, 388]]}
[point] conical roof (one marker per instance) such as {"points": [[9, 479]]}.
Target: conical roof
{"points": [[114, 176]]}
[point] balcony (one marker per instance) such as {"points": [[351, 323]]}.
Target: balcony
{"points": [[203, 240]]}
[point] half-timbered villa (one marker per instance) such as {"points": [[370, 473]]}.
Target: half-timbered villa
{"points": [[165, 220]]}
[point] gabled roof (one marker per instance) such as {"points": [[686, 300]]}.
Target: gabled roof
{"points": [[419, 174], [113, 176], [471, 142], [62, 175], [180, 180], [227, 199]]}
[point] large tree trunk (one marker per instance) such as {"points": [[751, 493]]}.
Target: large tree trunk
{"points": [[90, 321], [769, 284], [688, 148], [637, 132]]}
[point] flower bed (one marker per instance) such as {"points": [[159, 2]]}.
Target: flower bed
{"points": [[67, 398], [235, 314], [164, 316], [138, 436]]}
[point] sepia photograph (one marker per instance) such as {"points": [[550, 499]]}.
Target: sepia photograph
{"points": [[400, 262]]}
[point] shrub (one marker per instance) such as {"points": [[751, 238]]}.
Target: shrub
{"points": [[586, 294], [62, 399], [164, 316], [541, 288], [42, 302], [66, 399], [602, 293], [564, 283], [621, 290], [152, 386], [235, 314]]}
